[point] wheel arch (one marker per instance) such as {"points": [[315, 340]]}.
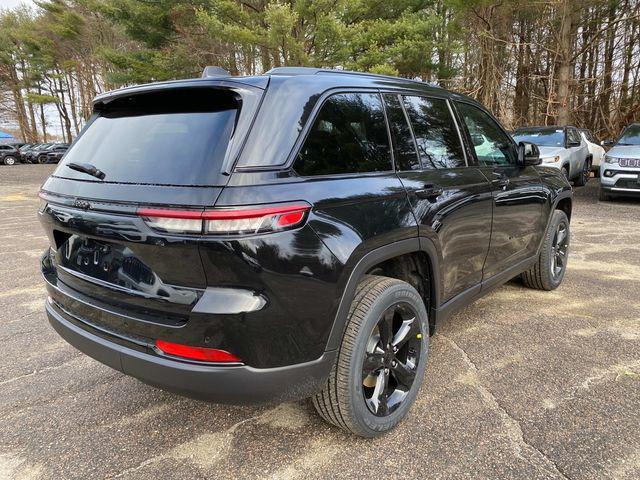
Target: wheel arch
{"points": [[564, 203], [394, 260]]}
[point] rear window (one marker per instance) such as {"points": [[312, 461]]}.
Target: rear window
{"points": [[164, 138]]}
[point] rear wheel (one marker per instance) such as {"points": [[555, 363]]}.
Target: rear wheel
{"points": [[42, 159], [381, 361], [548, 271], [9, 160]]}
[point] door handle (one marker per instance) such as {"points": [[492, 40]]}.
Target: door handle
{"points": [[501, 180], [429, 191]]}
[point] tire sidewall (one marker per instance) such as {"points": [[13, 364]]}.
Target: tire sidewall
{"points": [[10, 160], [369, 424]]}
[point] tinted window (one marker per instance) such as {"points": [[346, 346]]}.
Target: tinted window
{"points": [[630, 136], [573, 135], [491, 144], [404, 148], [349, 135], [170, 139], [436, 135]]}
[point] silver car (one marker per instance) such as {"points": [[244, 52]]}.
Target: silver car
{"points": [[620, 170], [562, 148]]}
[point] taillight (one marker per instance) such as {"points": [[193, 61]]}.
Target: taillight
{"points": [[227, 221], [202, 354]]}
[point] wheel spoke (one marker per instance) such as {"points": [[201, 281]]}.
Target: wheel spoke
{"points": [[404, 374], [386, 327], [402, 335], [562, 233], [379, 397]]}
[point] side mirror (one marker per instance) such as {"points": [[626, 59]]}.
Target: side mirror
{"points": [[528, 154], [606, 143]]}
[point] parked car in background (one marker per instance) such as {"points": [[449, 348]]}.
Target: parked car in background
{"points": [[295, 234], [31, 155], [595, 149], [620, 170], [56, 151], [562, 148], [9, 155]]}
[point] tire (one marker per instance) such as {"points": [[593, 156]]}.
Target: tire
{"points": [[42, 159], [603, 196], [565, 172], [542, 275], [583, 177], [10, 160], [344, 400]]}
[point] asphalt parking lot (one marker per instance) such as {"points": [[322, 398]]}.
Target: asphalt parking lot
{"points": [[522, 384]]}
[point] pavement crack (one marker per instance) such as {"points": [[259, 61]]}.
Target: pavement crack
{"points": [[35, 372], [217, 443], [512, 425]]}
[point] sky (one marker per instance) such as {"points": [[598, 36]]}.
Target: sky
{"points": [[13, 3]]}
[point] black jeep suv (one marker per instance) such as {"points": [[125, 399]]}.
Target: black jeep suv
{"points": [[296, 234]]}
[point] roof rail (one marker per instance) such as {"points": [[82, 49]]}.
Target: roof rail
{"points": [[213, 71], [316, 71]]}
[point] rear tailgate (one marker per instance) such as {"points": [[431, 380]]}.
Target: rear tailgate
{"points": [[156, 148]]}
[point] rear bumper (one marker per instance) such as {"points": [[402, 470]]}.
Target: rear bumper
{"points": [[220, 384]]}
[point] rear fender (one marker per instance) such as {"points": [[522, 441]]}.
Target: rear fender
{"points": [[373, 258]]}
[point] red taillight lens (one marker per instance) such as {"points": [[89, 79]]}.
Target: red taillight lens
{"points": [[201, 354], [227, 221]]}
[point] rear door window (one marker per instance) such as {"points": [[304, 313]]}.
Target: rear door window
{"points": [[172, 138], [404, 148], [436, 134], [349, 135]]}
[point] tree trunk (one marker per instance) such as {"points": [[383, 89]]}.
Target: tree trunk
{"points": [[564, 69]]}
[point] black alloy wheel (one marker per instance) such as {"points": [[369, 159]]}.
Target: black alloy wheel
{"points": [[559, 248], [391, 359]]}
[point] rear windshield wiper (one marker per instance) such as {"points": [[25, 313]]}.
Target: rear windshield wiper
{"points": [[87, 168]]}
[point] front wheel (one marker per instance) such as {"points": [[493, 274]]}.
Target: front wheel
{"points": [[548, 271], [583, 178], [381, 361], [9, 160], [42, 159]]}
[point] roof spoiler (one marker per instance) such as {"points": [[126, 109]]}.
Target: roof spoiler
{"points": [[212, 71]]}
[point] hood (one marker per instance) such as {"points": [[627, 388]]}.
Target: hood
{"points": [[546, 152], [625, 151]]}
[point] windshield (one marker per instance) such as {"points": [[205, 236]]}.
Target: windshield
{"points": [[542, 138], [159, 140], [631, 136]]}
